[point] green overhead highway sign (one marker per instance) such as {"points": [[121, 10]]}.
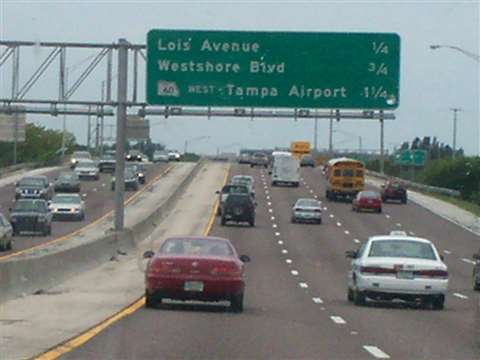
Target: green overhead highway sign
{"points": [[411, 158], [273, 69]]}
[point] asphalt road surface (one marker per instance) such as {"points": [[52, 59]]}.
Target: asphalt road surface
{"points": [[98, 201], [296, 303]]}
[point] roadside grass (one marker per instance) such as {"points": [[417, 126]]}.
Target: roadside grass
{"points": [[463, 204]]}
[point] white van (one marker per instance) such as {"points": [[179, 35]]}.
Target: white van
{"points": [[285, 170]]}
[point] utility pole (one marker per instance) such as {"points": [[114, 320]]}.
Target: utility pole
{"points": [[382, 141], [315, 138], [330, 134], [454, 144], [15, 85]]}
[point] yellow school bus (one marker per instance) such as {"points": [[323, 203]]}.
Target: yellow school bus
{"points": [[345, 178], [299, 148]]}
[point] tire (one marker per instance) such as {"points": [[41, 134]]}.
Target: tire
{"points": [[476, 285], [384, 199], [379, 210], [236, 303], [359, 298], [350, 295], [223, 221], [404, 200], [438, 302], [252, 222], [294, 220], [152, 301], [9, 246], [319, 222], [3, 248], [274, 183]]}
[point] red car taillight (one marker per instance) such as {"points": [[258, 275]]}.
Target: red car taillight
{"points": [[373, 270], [163, 267], [225, 270], [441, 274]]}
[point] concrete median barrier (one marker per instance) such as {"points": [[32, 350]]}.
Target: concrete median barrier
{"points": [[45, 267]]}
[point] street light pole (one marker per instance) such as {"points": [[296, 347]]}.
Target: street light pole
{"points": [[471, 55], [454, 143]]}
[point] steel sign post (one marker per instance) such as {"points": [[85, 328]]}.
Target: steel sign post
{"points": [[273, 69]]}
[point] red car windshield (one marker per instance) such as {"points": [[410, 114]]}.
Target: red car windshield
{"points": [[200, 247]]}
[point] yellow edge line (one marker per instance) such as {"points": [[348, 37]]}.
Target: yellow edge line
{"points": [[86, 227], [81, 339]]}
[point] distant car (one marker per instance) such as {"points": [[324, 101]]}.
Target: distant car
{"points": [[67, 182], [307, 210], [391, 267], [238, 208], [78, 156], [67, 207], [367, 200], [244, 158], [227, 190], [107, 164], [244, 180], [195, 268], [307, 160], [394, 190], [259, 159], [87, 169], [134, 155], [174, 155], [139, 169], [31, 216], [6, 234], [160, 156], [34, 187], [130, 178], [476, 272]]}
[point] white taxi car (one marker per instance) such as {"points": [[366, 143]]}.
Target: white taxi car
{"points": [[397, 267]]}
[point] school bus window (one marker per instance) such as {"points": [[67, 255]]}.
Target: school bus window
{"points": [[337, 172], [348, 173], [360, 173]]}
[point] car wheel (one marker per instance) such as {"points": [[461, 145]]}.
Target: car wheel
{"points": [[438, 302], [223, 221], [9, 245], [319, 221], [350, 295], [384, 199], [236, 303], [359, 298], [252, 222], [274, 183], [476, 285], [151, 301], [3, 248], [379, 210], [404, 200], [294, 220]]}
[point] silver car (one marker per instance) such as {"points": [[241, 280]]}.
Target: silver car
{"points": [[307, 210], [6, 234], [87, 169], [160, 156], [67, 207], [78, 156]]}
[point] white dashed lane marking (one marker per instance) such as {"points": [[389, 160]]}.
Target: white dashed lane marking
{"points": [[273, 217], [288, 261], [387, 216], [325, 208], [460, 296], [280, 242], [269, 203], [338, 320], [277, 234], [339, 224], [376, 352], [332, 216], [346, 232], [399, 225], [412, 233], [468, 261], [356, 241], [284, 251], [317, 300], [274, 225], [270, 210], [294, 272], [447, 252], [303, 285]]}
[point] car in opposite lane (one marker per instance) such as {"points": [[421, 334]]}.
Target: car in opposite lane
{"points": [[31, 216], [134, 155], [397, 267], [33, 187], [87, 169], [367, 200], [174, 155], [67, 182], [394, 190], [67, 207], [307, 210], [195, 268], [6, 234], [160, 156]]}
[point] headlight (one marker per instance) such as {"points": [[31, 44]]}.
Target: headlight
{"points": [[141, 174], [73, 161]]}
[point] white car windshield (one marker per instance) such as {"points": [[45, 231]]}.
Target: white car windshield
{"points": [[402, 248]]}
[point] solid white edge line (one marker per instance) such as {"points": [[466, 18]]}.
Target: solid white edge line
{"points": [[376, 352], [317, 300]]}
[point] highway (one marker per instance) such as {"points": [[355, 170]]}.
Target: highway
{"points": [[296, 304], [98, 201]]}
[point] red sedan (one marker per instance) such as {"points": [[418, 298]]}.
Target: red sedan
{"points": [[195, 268], [367, 200]]}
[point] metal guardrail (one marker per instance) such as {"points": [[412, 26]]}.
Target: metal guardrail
{"points": [[417, 186]]}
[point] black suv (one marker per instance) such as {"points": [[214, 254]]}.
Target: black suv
{"points": [[31, 216], [239, 208], [33, 187], [476, 272], [394, 190]]}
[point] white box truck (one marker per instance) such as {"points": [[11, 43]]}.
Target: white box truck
{"points": [[285, 170]]}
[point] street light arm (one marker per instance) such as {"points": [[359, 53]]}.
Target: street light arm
{"points": [[465, 52]]}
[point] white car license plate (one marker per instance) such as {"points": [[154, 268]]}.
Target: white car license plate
{"points": [[193, 286], [405, 274]]}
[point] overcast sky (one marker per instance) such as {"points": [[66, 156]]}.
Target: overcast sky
{"points": [[432, 81]]}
